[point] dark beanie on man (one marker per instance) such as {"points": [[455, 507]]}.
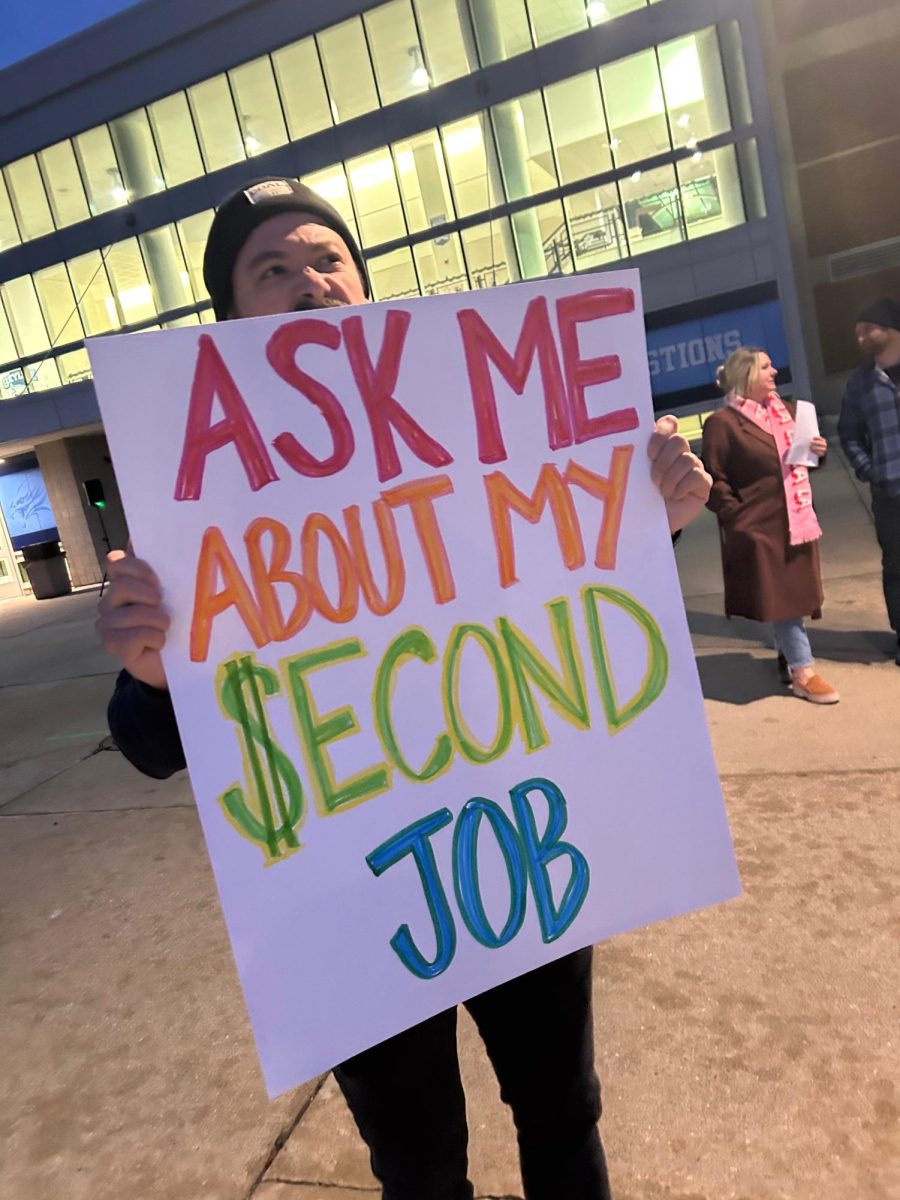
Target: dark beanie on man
{"points": [[242, 212], [883, 312]]}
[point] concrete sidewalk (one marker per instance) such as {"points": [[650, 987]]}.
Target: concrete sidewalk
{"points": [[747, 1052]]}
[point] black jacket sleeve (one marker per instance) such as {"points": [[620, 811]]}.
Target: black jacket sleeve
{"points": [[142, 721]]}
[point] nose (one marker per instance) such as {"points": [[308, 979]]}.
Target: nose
{"points": [[313, 283]]}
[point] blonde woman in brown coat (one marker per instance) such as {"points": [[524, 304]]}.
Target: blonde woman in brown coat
{"points": [[768, 527]]}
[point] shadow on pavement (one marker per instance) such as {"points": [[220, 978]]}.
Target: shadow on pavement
{"points": [[739, 678], [840, 645], [852, 645], [717, 625]]}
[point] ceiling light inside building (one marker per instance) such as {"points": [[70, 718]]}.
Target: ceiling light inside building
{"points": [[405, 161], [116, 190], [136, 297], [636, 176], [252, 144], [420, 76], [597, 11], [371, 174], [331, 187], [461, 141], [684, 120]]}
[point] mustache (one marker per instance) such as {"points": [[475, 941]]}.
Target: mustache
{"points": [[308, 303]]}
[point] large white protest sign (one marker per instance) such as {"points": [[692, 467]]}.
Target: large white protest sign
{"points": [[428, 652]]}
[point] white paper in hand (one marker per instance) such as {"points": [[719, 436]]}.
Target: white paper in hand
{"points": [[806, 427]]}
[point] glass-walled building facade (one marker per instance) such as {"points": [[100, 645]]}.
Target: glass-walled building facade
{"points": [[467, 143]]}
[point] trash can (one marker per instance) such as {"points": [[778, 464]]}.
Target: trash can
{"points": [[45, 563]]}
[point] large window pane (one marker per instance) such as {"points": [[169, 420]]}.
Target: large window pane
{"points": [[376, 197], [523, 146], [751, 180], [217, 128], [58, 305], [632, 90], [173, 130], [259, 109], [441, 266], [393, 276], [529, 235], [578, 125], [694, 87], [596, 227], [182, 322], [423, 181], [29, 201], [445, 48], [490, 253], [168, 275], [348, 70], [130, 282], [63, 184], [100, 170], [138, 160], [734, 68], [467, 146], [93, 293], [711, 196], [24, 313], [554, 238], [599, 11], [331, 184], [8, 350], [652, 209], [552, 19], [43, 375], [9, 230], [302, 88], [74, 366], [12, 382], [501, 29], [193, 232], [399, 65]]}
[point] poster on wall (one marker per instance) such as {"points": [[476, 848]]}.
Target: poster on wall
{"points": [[688, 354], [428, 651], [26, 508]]}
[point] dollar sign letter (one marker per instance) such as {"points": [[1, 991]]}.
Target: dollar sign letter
{"points": [[271, 809]]}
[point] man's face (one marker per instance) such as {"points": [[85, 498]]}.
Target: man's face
{"points": [[872, 339], [291, 263]]}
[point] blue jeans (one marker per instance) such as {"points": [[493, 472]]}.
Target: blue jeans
{"points": [[407, 1098], [791, 639]]}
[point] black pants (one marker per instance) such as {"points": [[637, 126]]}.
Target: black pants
{"points": [[886, 510], [407, 1098]]}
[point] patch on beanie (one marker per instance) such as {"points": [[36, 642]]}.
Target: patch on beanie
{"points": [[268, 187]]}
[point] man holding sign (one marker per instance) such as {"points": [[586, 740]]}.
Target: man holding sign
{"points": [[274, 248]]}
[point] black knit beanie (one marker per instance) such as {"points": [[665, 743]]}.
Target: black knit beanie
{"points": [[885, 313], [242, 212]]}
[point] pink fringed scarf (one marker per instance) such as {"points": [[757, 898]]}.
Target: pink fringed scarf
{"points": [[775, 419]]}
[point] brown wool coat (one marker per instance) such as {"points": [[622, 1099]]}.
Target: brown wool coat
{"points": [[766, 578]]}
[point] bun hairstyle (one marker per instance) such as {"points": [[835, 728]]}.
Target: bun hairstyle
{"points": [[739, 371]]}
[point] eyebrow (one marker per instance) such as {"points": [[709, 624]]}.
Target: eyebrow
{"points": [[265, 256]]}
